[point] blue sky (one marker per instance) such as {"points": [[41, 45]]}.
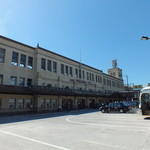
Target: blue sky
{"points": [[102, 30]]}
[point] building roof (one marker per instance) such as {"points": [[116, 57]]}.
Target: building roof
{"points": [[5, 38]]}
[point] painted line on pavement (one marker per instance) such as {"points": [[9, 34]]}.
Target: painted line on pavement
{"points": [[68, 119], [33, 140]]}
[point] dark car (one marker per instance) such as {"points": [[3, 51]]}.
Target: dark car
{"points": [[121, 107]]}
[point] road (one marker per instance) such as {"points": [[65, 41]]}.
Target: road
{"points": [[75, 130]]}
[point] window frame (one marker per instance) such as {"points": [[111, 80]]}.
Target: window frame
{"points": [[70, 71], [28, 103], [43, 63], [15, 58], [1, 78], [21, 83], [30, 62], [62, 68], [54, 66], [20, 104], [12, 103], [22, 60], [13, 77], [2, 55], [42, 103], [66, 70], [49, 65]]}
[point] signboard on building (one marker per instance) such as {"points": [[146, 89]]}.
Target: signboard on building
{"points": [[137, 86], [114, 63]]}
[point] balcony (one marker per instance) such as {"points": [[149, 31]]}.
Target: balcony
{"points": [[45, 90], [10, 89]]}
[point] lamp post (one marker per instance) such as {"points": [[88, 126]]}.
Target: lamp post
{"points": [[145, 38], [127, 84]]}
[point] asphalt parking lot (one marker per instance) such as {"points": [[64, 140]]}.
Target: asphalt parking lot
{"points": [[76, 130]]}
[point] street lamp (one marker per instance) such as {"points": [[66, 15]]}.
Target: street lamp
{"points": [[127, 80], [127, 84], [145, 38]]}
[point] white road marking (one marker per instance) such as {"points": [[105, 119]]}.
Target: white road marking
{"points": [[33, 140], [106, 145], [107, 125]]}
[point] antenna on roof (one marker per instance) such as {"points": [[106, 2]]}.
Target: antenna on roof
{"points": [[80, 59], [38, 45]]}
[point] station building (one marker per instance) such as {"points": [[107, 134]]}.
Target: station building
{"points": [[37, 79]]}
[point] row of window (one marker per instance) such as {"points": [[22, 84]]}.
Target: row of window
{"points": [[51, 66], [19, 103], [27, 103], [48, 103], [24, 60], [68, 70], [21, 81], [13, 81]]}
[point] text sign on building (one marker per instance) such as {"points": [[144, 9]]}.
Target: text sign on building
{"points": [[137, 86], [114, 63]]}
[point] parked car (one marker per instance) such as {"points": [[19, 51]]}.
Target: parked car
{"points": [[121, 107]]}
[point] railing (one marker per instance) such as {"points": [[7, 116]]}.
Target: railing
{"points": [[45, 90], [10, 89]]}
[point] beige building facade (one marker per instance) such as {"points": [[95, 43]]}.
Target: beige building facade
{"points": [[36, 79]]}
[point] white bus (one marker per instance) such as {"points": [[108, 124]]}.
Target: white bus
{"points": [[145, 101]]}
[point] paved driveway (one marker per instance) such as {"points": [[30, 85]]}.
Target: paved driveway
{"points": [[75, 130]]}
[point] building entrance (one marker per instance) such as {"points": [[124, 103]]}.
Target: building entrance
{"points": [[67, 104]]}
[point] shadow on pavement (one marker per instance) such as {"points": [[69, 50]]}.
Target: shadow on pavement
{"points": [[35, 116]]}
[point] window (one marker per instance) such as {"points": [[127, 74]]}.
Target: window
{"points": [[118, 85], [87, 76], [12, 103], [0, 102], [2, 55], [30, 62], [28, 103], [71, 73], [43, 64], [66, 70], [54, 103], [1, 79], [100, 79], [62, 68], [14, 59], [96, 79], [79, 73], [13, 80], [90, 76], [49, 65], [20, 103], [48, 103], [83, 75], [55, 67], [104, 81], [23, 60], [42, 103], [76, 72], [29, 82], [113, 83], [108, 82], [21, 81]]}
